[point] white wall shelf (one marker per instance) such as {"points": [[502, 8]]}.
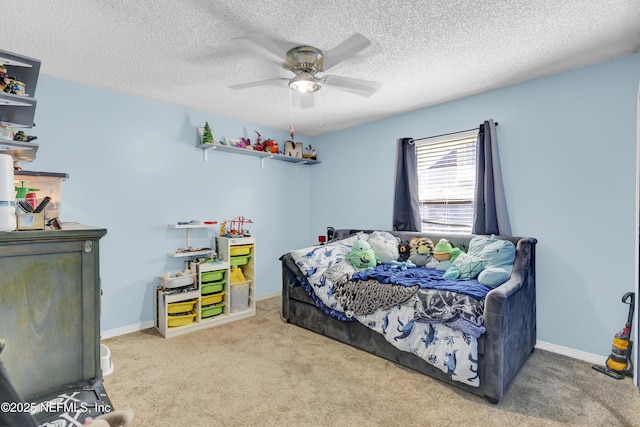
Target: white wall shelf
{"points": [[260, 154], [189, 227], [21, 151]]}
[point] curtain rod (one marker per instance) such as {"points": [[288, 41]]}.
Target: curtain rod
{"points": [[445, 134]]}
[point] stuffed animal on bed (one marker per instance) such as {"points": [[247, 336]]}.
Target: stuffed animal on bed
{"points": [[444, 253], [403, 265], [489, 259], [403, 251], [362, 256], [420, 250], [385, 245]]}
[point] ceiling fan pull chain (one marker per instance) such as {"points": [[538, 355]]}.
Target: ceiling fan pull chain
{"points": [[320, 108], [291, 112]]}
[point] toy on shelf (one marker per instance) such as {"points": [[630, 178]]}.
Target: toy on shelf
{"points": [[244, 143], [23, 137], [270, 146], [191, 250], [238, 227], [207, 135], [10, 84], [258, 145], [309, 153]]}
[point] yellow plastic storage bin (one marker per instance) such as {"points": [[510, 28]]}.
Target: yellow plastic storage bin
{"points": [[212, 299], [240, 250], [174, 320], [181, 306]]}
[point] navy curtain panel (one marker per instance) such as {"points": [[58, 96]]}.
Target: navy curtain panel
{"points": [[490, 215], [406, 208]]}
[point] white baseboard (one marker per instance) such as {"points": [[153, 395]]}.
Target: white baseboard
{"points": [[570, 352], [126, 329], [267, 296], [146, 325]]}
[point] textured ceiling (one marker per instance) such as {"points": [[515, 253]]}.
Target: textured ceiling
{"points": [[422, 52]]}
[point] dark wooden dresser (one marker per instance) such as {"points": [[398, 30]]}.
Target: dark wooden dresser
{"points": [[50, 307]]}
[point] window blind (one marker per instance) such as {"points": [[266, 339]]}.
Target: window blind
{"points": [[446, 181]]}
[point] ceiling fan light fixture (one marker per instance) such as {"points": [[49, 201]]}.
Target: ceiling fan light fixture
{"points": [[304, 83]]}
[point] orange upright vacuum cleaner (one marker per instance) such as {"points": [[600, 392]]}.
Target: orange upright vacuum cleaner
{"points": [[619, 362]]}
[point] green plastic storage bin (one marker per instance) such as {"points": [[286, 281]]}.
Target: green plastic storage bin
{"points": [[212, 310], [212, 288], [212, 276], [237, 261]]}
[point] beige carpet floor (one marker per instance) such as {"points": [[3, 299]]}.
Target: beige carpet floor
{"points": [[264, 372]]}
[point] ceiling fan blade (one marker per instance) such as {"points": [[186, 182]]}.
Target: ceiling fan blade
{"points": [[345, 50], [356, 86], [276, 48], [274, 81]]}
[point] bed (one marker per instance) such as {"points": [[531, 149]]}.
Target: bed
{"points": [[471, 336]]}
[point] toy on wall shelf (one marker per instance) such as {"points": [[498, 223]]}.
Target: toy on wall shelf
{"points": [[207, 136], [23, 137], [245, 143], [293, 149], [270, 146], [238, 227], [309, 153], [4, 77], [258, 145]]}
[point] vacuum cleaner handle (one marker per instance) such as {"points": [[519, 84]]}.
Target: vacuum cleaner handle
{"points": [[629, 298]]}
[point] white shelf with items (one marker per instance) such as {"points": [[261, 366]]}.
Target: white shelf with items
{"points": [[17, 109], [240, 253], [204, 295], [179, 311], [190, 253], [262, 155], [175, 312]]}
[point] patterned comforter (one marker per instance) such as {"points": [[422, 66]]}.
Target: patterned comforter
{"points": [[439, 325]]}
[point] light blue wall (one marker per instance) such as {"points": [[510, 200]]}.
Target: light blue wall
{"points": [[134, 168], [567, 146], [568, 150]]}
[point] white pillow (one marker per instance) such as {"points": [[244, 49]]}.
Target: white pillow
{"points": [[385, 245]]}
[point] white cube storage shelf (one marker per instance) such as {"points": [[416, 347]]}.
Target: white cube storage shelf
{"points": [[215, 299]]}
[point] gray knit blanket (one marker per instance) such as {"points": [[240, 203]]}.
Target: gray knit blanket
{"points": [[364, 297]]}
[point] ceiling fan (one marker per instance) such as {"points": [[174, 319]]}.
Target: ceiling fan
{"points": [[307, 61]]}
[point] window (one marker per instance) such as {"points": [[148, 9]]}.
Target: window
{"points": [[446, 181]]}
